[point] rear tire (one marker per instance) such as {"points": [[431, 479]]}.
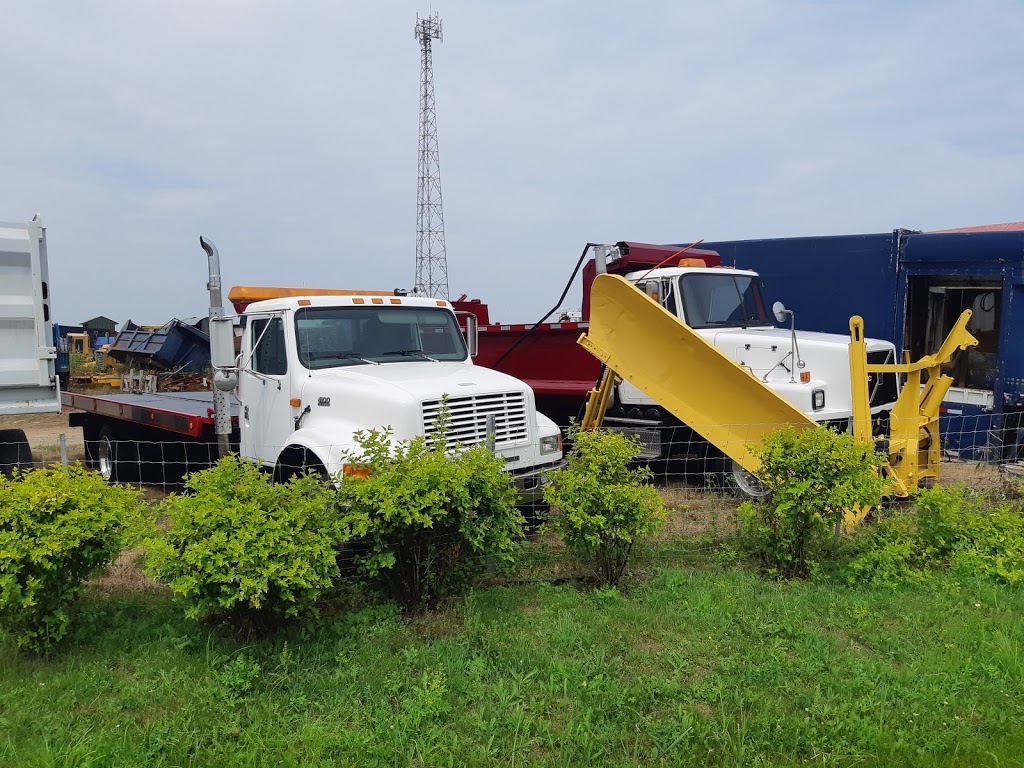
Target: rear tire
{"points": [[15, 452], [105, 457]]}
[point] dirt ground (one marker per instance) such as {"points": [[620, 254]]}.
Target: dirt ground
{"points": [[43, 431]]}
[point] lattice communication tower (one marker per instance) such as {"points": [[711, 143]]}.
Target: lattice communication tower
{"points": [[431, 259]]}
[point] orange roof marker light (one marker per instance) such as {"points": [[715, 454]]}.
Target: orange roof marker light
{"points": [[692, 262], [241, 296]]}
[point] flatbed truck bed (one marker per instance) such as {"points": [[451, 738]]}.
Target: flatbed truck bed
{"points": [[148, 438]]}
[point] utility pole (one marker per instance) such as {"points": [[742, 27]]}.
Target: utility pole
{"points": [[431, 259]]}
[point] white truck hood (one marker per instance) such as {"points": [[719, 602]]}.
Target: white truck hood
{"points": [[419, 379], [406, 396], [721, 337]]}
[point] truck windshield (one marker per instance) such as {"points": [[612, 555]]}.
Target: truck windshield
{"points": [[328, 337], [713, 300]]}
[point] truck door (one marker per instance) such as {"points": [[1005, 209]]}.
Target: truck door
{"points": [[263, 390]]}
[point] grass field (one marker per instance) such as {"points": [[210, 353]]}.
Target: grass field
{"points": [[695, 666]]}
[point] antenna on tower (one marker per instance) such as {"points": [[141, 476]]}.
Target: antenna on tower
{"points": [[431, 259]]}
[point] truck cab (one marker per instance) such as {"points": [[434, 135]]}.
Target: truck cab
{"points": [[314, 371], [726, 306]]}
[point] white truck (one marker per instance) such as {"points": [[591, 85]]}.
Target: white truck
{"points": [[28, 380], [725, 306], [811, 370], [314, 368]]}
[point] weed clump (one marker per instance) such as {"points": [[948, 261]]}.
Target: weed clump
{"points": [[946, 528]]}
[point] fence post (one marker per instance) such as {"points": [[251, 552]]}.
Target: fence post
{"points": [[63, 440]]}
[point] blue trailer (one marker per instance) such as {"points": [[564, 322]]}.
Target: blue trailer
{"points": [[910, 287]]}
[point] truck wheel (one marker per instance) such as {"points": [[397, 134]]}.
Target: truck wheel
{"points": [[105, 455], [746, 482], [536, 514], [15, 452], [298, 461]]}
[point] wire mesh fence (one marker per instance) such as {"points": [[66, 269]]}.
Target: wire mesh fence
{"points": [[684, 466], [701, 486]]}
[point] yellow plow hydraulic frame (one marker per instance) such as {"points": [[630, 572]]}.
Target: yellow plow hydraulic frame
{"points": [[914, 448]]}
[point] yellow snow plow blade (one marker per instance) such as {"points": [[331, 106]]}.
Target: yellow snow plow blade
{"points": [[669, 362]]}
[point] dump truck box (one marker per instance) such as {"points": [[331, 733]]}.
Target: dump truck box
{"points": [[28, 381]]}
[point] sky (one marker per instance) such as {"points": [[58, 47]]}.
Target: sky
{"points": [[287, 133]]}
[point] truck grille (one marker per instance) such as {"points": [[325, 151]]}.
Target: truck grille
{"points": [[468, 416], [883, 388]]}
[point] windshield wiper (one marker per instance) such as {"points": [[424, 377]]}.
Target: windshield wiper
{"points": [[410, 353], [341, 356], [735, 323]]}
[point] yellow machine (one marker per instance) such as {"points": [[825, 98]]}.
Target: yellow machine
{"points": [[732, 409], [914, 446], [79, 344]]}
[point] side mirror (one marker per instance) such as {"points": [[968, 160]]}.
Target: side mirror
{"points": [[780, 311], [471, 331]]}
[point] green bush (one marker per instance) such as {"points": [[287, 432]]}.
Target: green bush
{"points": [[606, 506], [992, 545], [58, 526], [241, 548], [940, 513], [886, 553], [430, 520], [947, 527], [813, 477]]}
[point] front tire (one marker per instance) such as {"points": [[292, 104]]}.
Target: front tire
{"points": [[299, 461], [746, 482]]}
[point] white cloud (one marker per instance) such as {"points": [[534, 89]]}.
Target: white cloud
{"points": [[287, 133]]}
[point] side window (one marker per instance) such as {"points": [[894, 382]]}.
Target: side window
{"points": [[269, 357]]}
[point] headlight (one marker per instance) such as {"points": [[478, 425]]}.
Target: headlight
{"points": [[550, 444], [818, 399]]}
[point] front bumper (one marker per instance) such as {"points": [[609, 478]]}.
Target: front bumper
{"points": [[530, 481]]}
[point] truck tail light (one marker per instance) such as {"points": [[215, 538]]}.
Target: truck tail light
{"points": [[359, 471]]}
